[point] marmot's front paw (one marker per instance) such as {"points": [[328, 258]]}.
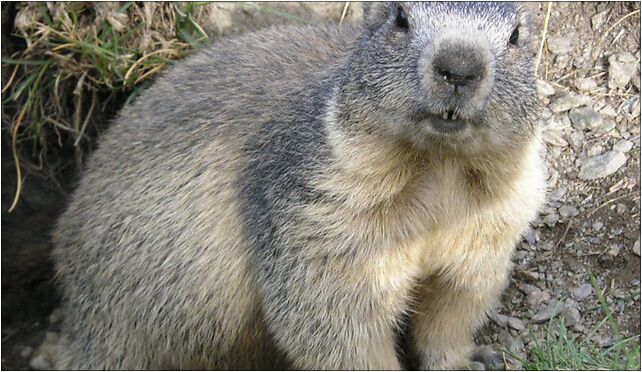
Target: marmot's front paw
{"points": [[485, 358]]}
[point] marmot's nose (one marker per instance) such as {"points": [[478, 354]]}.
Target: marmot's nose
{"points": [[459, 66]]}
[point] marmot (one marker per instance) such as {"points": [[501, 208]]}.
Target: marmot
{"points": [[296, 196]]}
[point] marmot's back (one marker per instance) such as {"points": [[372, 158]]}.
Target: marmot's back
{"points": [[157, 207]]}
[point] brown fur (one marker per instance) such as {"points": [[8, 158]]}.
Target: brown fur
{"points": [[221, 224]]}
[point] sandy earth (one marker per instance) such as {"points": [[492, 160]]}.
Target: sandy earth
{"points": [[589, 84]]}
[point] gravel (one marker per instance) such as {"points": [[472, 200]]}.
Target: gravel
{"points": [[554, 138], [623, 146], [560, 44], [598, 20], [602, 165], [572, 318], [622, 66], [537, 297], [569, 100], [516, 324], [591, 222], [583, 292], [543, 88], [553, 309], [585, 84], [585, 118], [551, 219], [568, 211]]}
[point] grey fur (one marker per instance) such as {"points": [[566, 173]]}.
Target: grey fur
{"points": [[281, 199]]}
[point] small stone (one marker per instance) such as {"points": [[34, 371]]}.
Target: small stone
{"points": [[607, 126], [537, 297], [585, 118], [583, 292], [598, 20], [602, 341], [531, 236], [585, 84], [500, 319], [40, 363], [614, 250], [569, 302], [572, 317], [554, 138], [553, 309], [26, 351], [623, 146], [619, 293], [608, 110], [595, 240], [569, 101], [516, 324], [547, 246], [512, 343], [543, 88], [551, 219], [568, 211], [595, 150], [636, 247], [577, 138], [559, 44], [558, 193], [620, 208], [528, 275], [597, 226], [574, 265], [602, 165], [622, 66], [632, 106]]}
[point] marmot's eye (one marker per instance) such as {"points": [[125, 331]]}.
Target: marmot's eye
{"points": [[401, 22], [514, 37]]}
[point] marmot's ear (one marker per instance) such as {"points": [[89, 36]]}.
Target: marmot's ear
{"points": [[375, 14]]}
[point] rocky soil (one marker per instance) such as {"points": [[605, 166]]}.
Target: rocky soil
{"points": [[589, 83], [590, 86]]}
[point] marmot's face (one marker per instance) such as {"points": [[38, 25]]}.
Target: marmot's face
{"points": [[456, 75]]}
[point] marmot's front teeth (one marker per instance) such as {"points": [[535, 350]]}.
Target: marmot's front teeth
{"points": [[449, 115]]}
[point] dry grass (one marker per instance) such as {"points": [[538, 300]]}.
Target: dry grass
{"points": [[80, 62]]}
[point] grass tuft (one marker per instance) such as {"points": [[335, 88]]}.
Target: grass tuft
{"points": [[560, 350], [80, 62]]}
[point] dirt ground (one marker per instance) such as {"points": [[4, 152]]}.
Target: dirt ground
{"points": [[589, 227]]}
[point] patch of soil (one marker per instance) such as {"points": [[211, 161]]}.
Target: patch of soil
{"points": [[589, 226]]}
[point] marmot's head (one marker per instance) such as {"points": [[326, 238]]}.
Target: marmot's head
{"points": [[454, 75]]}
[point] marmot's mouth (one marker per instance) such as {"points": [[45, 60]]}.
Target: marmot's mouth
{"points": [[448, 122]]}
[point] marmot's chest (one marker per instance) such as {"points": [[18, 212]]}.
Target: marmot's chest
{"points": [[465, 217]]}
